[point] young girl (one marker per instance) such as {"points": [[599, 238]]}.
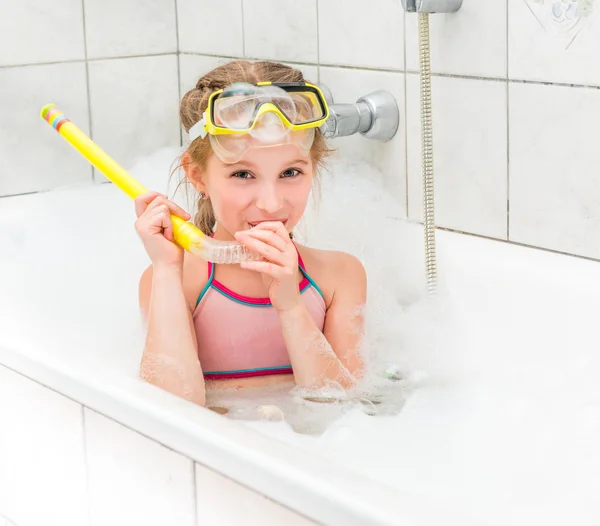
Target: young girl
{"points": [[293, 315]]}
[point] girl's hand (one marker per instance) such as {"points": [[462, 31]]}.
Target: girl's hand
{"points": [[279, 264], [155, 227]]}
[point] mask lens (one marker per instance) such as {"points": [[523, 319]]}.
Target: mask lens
{"points": [[235, 107], [269, 128], [307, 105], [232, 148]]}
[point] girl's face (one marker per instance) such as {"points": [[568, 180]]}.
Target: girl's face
{"points": [[268, 184]]}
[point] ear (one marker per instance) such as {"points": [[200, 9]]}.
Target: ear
{"points": [[192, 172]]}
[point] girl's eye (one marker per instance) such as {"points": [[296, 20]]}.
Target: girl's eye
{"points": [[290, 172], [242, 175]]}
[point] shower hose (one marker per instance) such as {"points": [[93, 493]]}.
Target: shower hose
{"points": [[427, 154]]}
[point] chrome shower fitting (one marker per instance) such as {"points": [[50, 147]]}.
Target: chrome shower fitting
{"points": [[431, 6], [374, 116]]}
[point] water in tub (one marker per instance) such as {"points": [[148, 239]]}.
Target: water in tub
{"points": [[497, 411]]}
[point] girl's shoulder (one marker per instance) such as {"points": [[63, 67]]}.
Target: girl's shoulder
{"points": [[321, 257], [331, 269], [195, 277]]}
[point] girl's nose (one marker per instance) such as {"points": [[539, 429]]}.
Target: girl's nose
{"points": [[269, 199]]}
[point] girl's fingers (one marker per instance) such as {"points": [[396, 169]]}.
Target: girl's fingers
{"points": [[167, 226], [265, 267], [142, 202], [155, 200], [276, 227], [265, 250], [177, 210], [267, 236], [157, 221]]}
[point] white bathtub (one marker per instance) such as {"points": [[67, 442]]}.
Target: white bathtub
{"points": [[502, 429]]}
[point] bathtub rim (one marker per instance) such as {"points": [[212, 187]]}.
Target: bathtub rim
{"points": [[315, 488]]}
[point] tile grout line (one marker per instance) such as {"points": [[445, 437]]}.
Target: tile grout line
{"points": [[178, 53], [96, 59], [507, 127], [334, 66], [406, 200], [195, 492], [243, 29], [318, 43], [87, 82], [86, 465]]}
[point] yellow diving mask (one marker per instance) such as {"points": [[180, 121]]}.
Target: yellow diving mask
{"points": [[244, 116]]}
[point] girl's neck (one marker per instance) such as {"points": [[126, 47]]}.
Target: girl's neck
{"points": [[222, 235]]}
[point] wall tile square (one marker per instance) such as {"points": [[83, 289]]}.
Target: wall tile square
{"points": [[33, 157], [128, 27], [563, 47], [471, 41], [470, 147], [348, 85], [215, 492], [42, 465], [29, 35], [134, 106], [211, 28], [134, 480], [192, 67], [310, 72], [352, 33], [281, 30], [554, 184]]}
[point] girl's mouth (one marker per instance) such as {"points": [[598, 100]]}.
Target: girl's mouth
{"points": [[254, 223]]}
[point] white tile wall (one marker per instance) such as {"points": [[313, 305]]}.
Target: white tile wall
{"points": [[310, 72], [471, 41], [250, 509], [126, 27], [134, 105], [42, 466], [33, 156], [563, 47], [470, 154], [354, 33], [211, 28], [554, 182], [340, 43], [347, 85], [32, 32], [281, 30], [134, 480]]}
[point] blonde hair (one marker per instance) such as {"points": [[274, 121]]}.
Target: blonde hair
{"points": [[194, 104]]}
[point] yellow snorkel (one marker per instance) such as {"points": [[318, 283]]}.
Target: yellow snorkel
{"points": [[187, 235]]}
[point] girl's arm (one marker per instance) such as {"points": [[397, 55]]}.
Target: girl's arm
{"points": [[170, 359], [316, 357], [334, 354]]}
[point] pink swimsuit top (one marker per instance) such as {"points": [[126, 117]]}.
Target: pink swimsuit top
{"points": [[240, 336]]}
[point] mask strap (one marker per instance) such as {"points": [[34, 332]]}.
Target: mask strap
{"points": [[198, 129]]}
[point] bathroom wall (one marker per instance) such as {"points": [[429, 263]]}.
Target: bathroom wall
{"points": [[93, 471], [110, 66], [515, 94]]}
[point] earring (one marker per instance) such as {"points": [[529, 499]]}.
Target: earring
{"points": [[202, 195]]}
